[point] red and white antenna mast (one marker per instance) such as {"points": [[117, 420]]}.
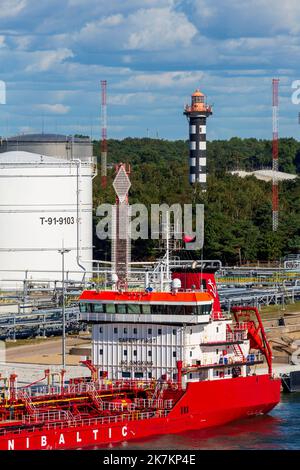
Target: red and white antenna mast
{"points": [[275, 195], [103, 134], [121, 248]]}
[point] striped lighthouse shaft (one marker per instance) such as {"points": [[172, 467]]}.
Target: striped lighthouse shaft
{"points": [[198, 149]]}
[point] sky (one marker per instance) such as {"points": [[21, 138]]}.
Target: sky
{"points": [[153, 54]]}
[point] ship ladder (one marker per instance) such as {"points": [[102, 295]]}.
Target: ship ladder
{"points": [[29, 407], [238, 352], [236, 347], [98, 402], [158, 392]]}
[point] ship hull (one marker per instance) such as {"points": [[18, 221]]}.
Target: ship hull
{"points": [[204, 404]]}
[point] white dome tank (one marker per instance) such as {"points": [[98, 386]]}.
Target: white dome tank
{"points": [[45, 203]]}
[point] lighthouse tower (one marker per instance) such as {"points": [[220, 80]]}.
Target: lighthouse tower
{"points": [[196, 115]]}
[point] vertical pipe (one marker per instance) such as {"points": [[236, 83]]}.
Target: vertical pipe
{"points": [[179, 374], [63, 312]]}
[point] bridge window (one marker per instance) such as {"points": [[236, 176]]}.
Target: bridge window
{"points": [[134, 308], [121, 308], [84, 307], [146, 309], [110, 308], [98, 308], [204, 309]]}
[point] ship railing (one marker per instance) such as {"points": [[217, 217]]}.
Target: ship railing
{"points": [[107, 385], [111, 406], [126, 417], [240, 326], [229, 361], [236, 336], [156, 403], [48, 416], [85, 387], [45, 390]]}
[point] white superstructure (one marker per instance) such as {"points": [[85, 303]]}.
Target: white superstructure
{"points": [[45, 203], [144, 340]]}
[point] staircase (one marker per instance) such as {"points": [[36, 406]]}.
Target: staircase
{"points": [[159, 391], [236, 347], [29, 407], [238, 352], [97, 401]]}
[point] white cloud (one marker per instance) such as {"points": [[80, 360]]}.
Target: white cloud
{"points": [[112, 20], [22, 42], [145, 29], [163, 80], [10, 8], [254, 17], [54, 108], [131, 98], [46, 60], [159, 28]]}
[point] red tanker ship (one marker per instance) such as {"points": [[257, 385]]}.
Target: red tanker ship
{"points": [[163, 362]]}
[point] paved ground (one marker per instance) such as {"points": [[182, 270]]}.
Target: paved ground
{"points": [[29, 373], [47, 352], [29, 361]]}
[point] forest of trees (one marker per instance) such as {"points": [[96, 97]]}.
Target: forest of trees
{"points": [[238, 216]]}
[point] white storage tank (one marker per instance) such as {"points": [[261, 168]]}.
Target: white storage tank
{"points": [[53, 145], [45, 202]]}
